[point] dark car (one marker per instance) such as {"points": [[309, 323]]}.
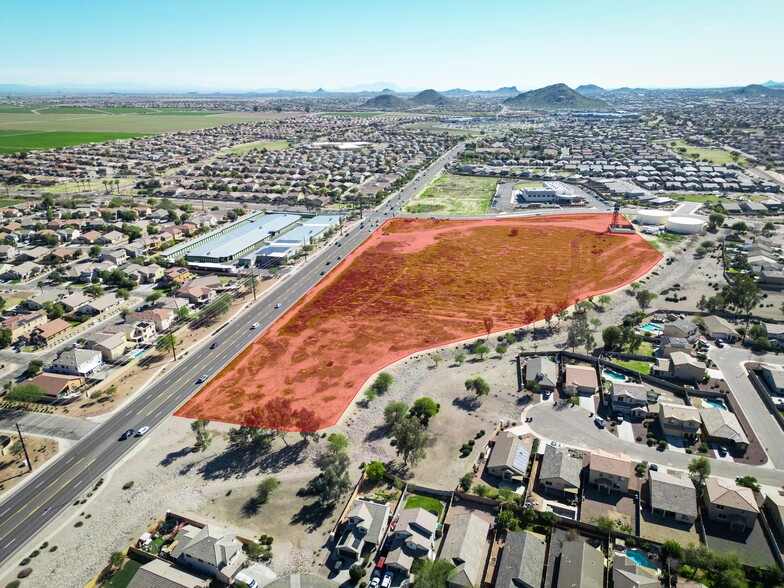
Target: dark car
{"points": [[213, 346], [653, 467], [723, 451], [127, 434]]}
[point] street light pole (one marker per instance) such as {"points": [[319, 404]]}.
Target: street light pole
{"points": [[24, 448]]}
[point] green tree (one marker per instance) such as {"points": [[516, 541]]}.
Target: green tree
{"points": [[395, 412], [382, 382], [604, 300], [6, 338], [740, 227], [644, 298], [167, 342], [761, 344], [203, 437], [748, 482], [154, 297], [700, 468], [337, 443], [375, 470], [94, 290], [507, 520], [434, 573], [411, 440], [116, 560], [479, 386], [460, 358], [25, 393], [612, 338], [33, 368], [579, 332], [95, 251], [715, 219], [356, 572], [466, 481], [424, 409], [265, 488], [768, 228]]}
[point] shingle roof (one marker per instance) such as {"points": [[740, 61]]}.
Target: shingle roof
{"points": [[726, 493], [522, 561], [464, 546], [672, 493], [558, 463], [581, 566], [159, 574]]}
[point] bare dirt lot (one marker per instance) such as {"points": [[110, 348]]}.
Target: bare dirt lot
{"points": [[416, 284]]}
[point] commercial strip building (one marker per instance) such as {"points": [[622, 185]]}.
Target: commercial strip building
{"points": [[276, 252], [182, 249], [241, 240]]}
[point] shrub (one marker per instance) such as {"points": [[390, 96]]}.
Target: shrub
{"points": [[14, 584], [375, 471], [24, 573], [25, 561], [53, 548], [465, 482], [689, 450], [128, 485], [35, 553], [44, 545], [78, 524], [703, 448]]}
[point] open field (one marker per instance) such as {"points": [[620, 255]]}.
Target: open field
{"points": [[15, 141], [449, 194], [134, 122], [9, 201], [715, 156], [415, 284], [268, 145]]}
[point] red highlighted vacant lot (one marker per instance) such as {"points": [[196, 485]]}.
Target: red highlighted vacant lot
{"points": [[413, 285]]}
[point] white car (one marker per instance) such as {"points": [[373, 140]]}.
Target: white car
{"points": [[202, 379], [277, 305], [387, 581], [254, 326], [142, 431]]}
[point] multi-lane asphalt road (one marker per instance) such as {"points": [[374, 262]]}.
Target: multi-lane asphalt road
{"points": [[50, 492]]}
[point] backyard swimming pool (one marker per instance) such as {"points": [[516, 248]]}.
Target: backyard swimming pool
{"points": [[715, 404], [651, 328], [639, 558], [611, 375]]}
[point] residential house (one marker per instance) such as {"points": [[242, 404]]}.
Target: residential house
{"points": [[112, 238], [102, 304], [465, 547], [21, 325], [610, 471], [177, 274], [775, 334], [560, 471], [77, 362], [414, 537], [24, 271], [197, 295], [145, 274], [723, 427], [509, 457], [668, 345], [672, 496], [51, 333], [541, 371], [580, 379], [162, 318], [729, 503], [136, 333], [57, 386], [773, 376], [679, 420], [718, 328], [680, 366], [681, 328], [33, 254], [74, 301], [90, 237], [8, 252], [37, 302], [626, 396], [112, 347], [774, 508], [580, 566], [209, 551], [116, 256], [522, 561], [365, 528], [173, 303], [627, 574], [160, 574]]}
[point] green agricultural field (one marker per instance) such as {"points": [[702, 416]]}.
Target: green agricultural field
{"points": [[268, 145], [16, 141], [458, 195], [715, 156], [138, 123]]}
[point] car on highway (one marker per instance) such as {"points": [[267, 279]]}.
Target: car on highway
{"points": [[339, 258], [142, 431], [202, 379], [127, 434], [254, 326], [278, 304], [328, 263], [214, 345], [323, 272], [599, 422]]}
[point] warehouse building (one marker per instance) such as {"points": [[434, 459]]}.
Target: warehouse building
{"points": [[243, 239]]}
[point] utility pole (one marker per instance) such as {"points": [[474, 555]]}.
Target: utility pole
{"points": [[24, 448]]}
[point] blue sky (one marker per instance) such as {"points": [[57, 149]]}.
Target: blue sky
{"points": [[251, 44]]}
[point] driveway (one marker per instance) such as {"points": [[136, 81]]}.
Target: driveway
{"points": [[625, 431], [575, 429], [767, 431]]}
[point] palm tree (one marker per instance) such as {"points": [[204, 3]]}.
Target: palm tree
{"points": [[167, 342], [116, 559]]}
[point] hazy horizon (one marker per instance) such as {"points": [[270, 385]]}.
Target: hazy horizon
{"points": [[246, 45]]}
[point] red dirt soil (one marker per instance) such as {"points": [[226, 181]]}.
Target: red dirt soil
{"points": [[413, 285]]}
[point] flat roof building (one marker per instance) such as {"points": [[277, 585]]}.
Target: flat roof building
{"points": [[243, 239]]}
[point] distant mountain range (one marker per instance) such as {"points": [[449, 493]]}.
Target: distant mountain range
{"points": [[393, 102], [555, 97], [589, 91], [758, 91]]}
